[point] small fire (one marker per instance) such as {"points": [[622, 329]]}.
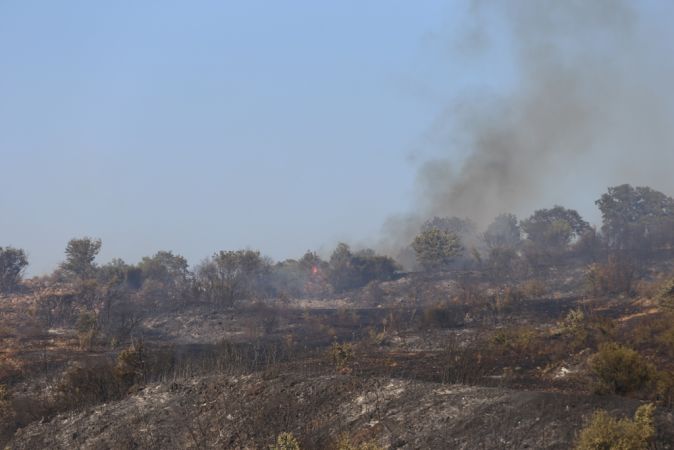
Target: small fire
{"points": [[314, 270]]}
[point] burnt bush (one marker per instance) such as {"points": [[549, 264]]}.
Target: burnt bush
{"points": [[82, 385], [617, 276], [349, 270], [440, 316]]}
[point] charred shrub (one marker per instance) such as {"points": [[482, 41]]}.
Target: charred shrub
{"points": [[82, 385], [533, 289], [6, 412], [520, 343], [664, 388], [502, 262], [615, 277], [349, 270], [665, 294], [438, 316]]}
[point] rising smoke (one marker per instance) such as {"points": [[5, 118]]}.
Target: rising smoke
{"points": [[591, 106]]}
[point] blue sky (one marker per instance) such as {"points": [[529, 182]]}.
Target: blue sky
{"points": [[199, 126], [208, 125]]}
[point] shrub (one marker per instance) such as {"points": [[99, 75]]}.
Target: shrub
{"points": [[615, 277], [438, 316], [130, 367], [436, 248], [342, 354], [87, 330], [574, 320], [607, 433], [5, 407], [7, 415], [621, 370], [82, 385], [575, 325], [520, 340], [587, 330], [665, 388], [665, 294], [344, 443], [349, 270], [533, 289], [285, 441], [501, 261]]}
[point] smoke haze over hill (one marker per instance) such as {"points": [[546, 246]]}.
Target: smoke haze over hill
{"points": [[590, 106]]}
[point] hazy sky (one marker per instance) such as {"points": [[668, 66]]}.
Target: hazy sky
{"points": [[208, 125], [198, 126]]}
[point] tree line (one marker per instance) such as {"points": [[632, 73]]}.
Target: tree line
{"points": [[636, 221]]}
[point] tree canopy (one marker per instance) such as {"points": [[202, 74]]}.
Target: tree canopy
{"points": [[80, 256], [352, 270], [636, 216], [436, 248], [554, 228], [504, 231], [230, 275], [13, 262]]}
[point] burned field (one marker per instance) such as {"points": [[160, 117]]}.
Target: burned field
{"points": [[540, 333], [442, 359]]}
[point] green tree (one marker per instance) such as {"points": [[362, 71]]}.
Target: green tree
{"points": [[554, 229], [634, 217], [164, 266], [80, 256], [436, 248], [13, 262]]}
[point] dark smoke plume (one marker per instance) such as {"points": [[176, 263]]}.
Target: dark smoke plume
{"points": [[591, 106]]}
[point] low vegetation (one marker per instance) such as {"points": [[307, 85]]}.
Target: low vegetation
{"points": [[607, 433]]}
